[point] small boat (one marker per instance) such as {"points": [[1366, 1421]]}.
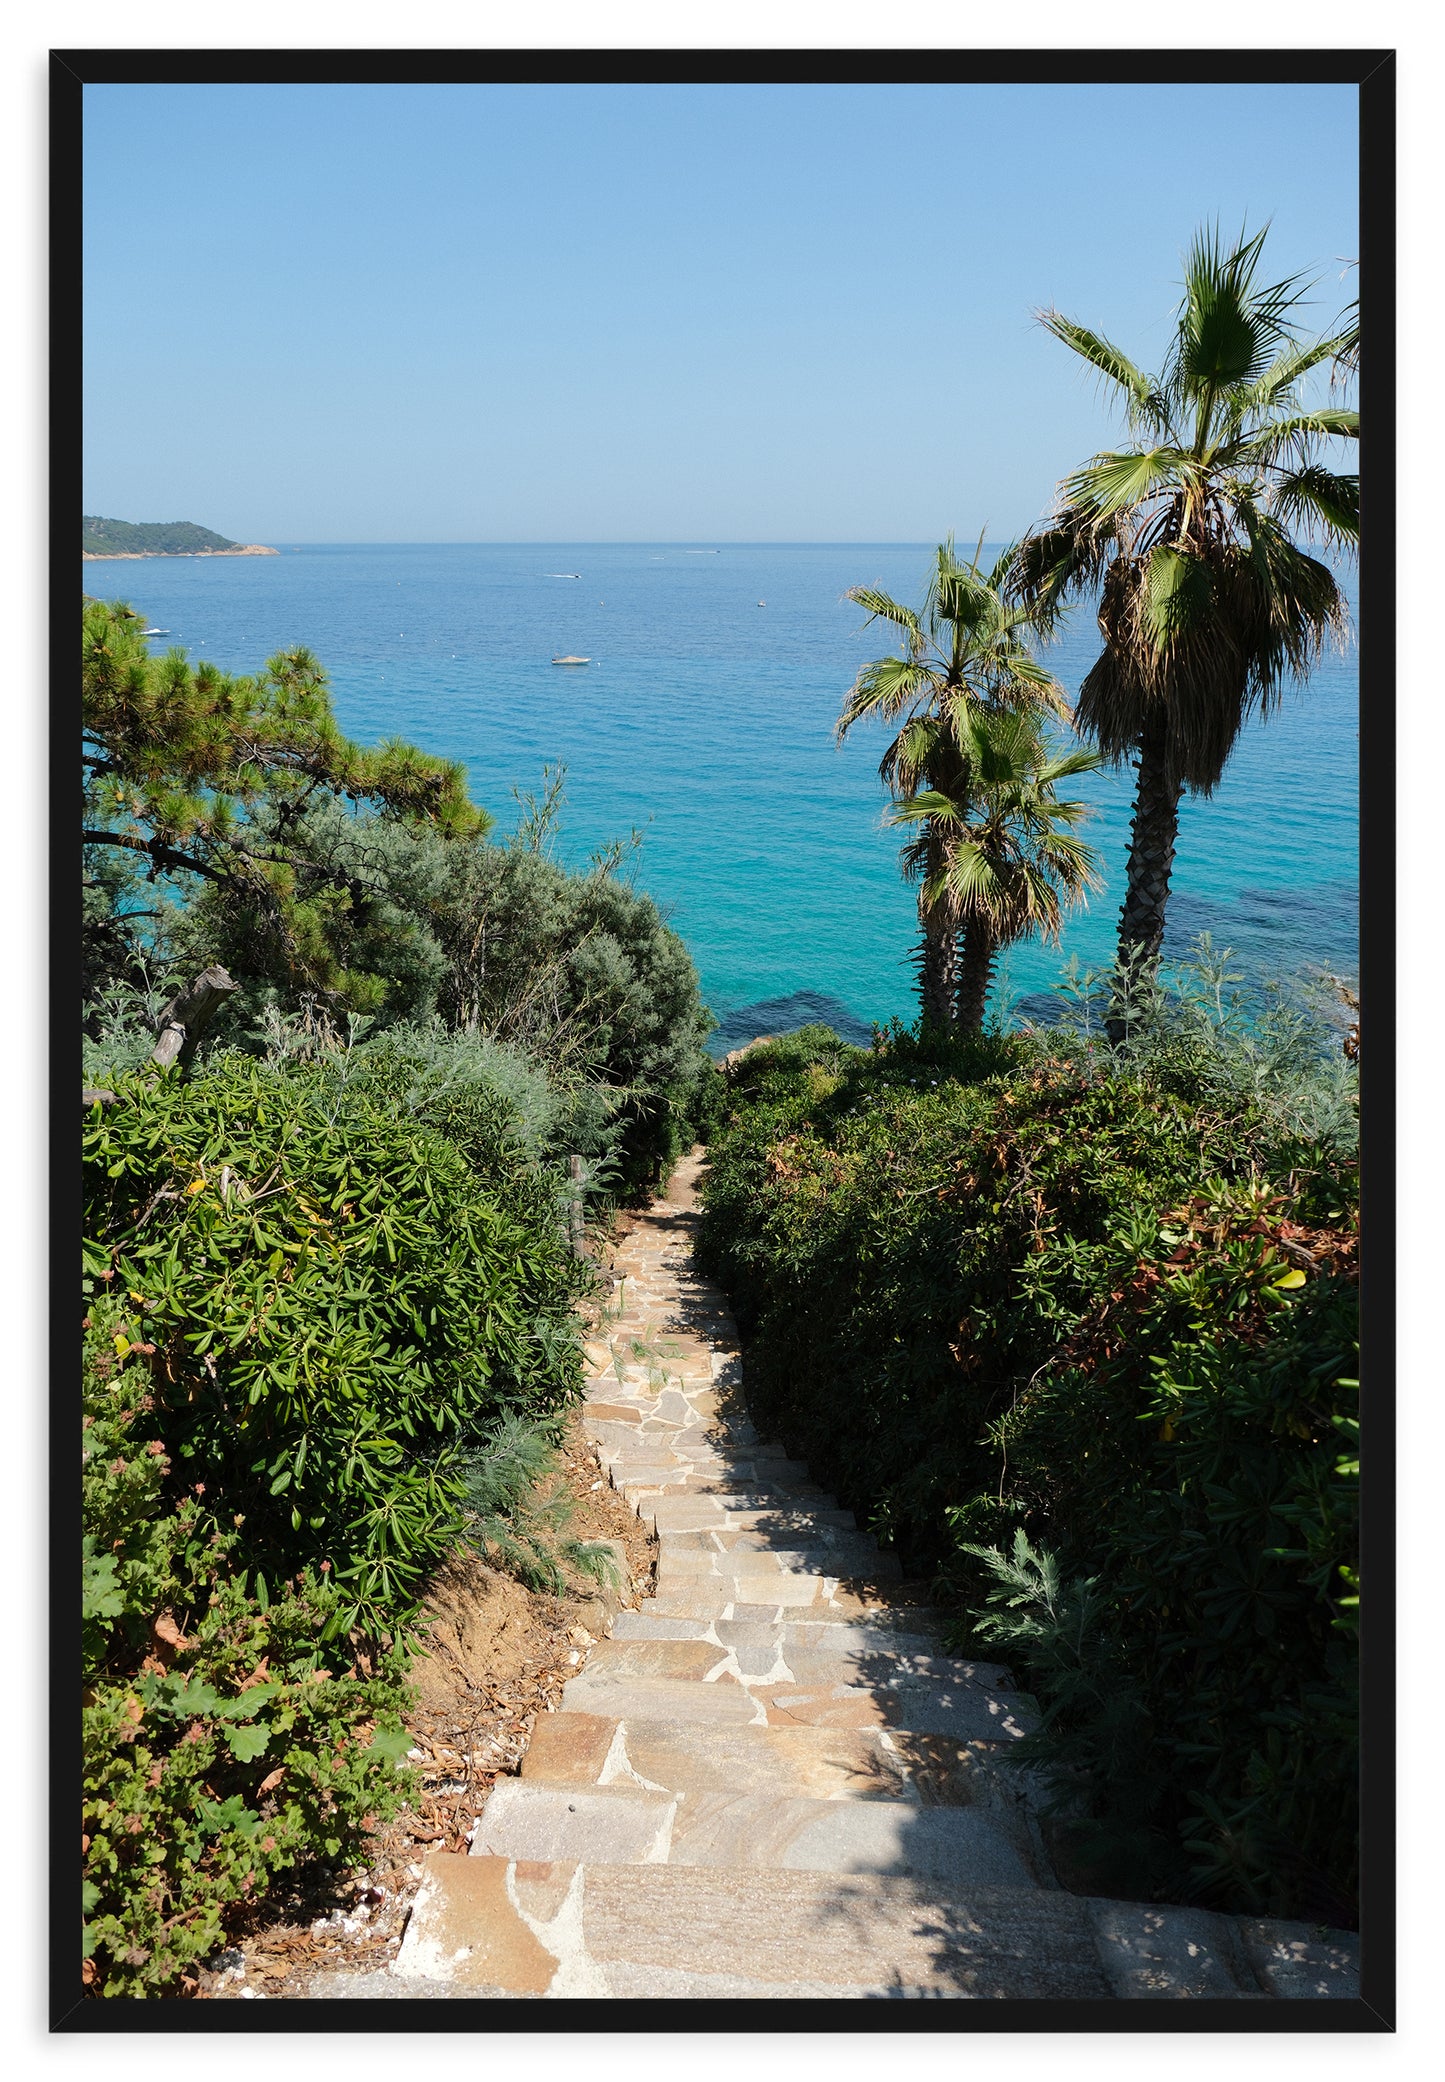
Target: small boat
{"points": [[762, 603], [562, 574], [155, 632], [571, 661]]}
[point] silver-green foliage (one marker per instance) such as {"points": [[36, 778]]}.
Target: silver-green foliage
{"points": [[519, 1514], [1279, 1047]]}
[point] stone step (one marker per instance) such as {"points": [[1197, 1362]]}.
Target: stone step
{"points": [[844, 1608], [663, 1698], [695, 1661], [629, 1825], [968, 1712], [704, 1513], [649, 1314], [756, 1496], [630, 1453], [642, 1683], [810, 1667], [588, 1749], [713, 1552], [564, 1929], [708, 1475], [645, 1402], [769, 1598], [661, 1348], [756, 1596], [863, 1655], [764, 1642]]}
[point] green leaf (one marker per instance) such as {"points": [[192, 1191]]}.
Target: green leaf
{"points": [[390, 1743], [246, 1744], [216, 1817], [249, 1703], [101, 1594]]}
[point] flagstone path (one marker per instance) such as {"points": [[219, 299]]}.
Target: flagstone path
{"points": [[770, 1781]]}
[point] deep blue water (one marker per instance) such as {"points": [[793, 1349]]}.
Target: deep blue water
{"points": [[705, 720]]}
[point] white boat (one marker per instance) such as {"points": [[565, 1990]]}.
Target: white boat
{"points": [[562, 574], [571, 661]]}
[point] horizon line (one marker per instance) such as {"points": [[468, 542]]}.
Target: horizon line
{"points": [[600, 542]]}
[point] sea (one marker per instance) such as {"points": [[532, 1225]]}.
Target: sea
{"points": [[703, 724]]}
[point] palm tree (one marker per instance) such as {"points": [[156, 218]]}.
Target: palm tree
{"points": [[1209, 607], [1005, 862], [964, 654]]}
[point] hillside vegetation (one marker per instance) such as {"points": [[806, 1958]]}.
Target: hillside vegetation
{"points": [[156, 538]]}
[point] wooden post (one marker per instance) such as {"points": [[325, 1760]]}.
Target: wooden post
{"points": [[189, 1013], [574, 1205]]}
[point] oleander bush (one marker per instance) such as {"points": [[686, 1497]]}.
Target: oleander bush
{"points": [[1027, 1286], [335, 1295], [329, 1335]]}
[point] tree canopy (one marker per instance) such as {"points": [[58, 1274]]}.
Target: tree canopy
{"points": [[244, 785]]}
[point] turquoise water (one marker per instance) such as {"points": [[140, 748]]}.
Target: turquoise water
{"points": [[705, 720]]}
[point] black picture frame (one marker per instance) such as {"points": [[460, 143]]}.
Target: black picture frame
{"points": [[1373, 73]]}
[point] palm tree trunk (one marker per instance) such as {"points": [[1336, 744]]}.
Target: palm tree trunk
{"points": [[1151, 859], [937, 965], [975, 974]]}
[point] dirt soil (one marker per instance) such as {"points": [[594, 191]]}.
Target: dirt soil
{"points": [[499, 1656]]}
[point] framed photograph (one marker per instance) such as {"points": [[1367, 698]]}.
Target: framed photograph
{"points": [[734, 951]]}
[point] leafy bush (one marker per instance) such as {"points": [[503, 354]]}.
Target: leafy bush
{"points": [[1027, 1285], [336, 1295], [219, 1747]]}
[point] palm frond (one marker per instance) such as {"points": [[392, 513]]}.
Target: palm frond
{"points": [[1053, 565], [1111, 362], [930, 802], [1177, 593], [1296, 435], [882, 607], [884, 687], [1082, 760], [1317, 501], [1116, 482], [1277, 382]]}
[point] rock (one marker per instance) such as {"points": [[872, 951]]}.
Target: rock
{"points": [[1303, 1959], [1170, 1952]]}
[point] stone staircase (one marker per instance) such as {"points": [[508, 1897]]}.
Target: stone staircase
{"points": [[770, 1781]]}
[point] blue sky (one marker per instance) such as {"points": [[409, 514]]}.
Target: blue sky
{"points": [[567, 313]]}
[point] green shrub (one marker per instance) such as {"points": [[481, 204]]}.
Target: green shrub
{"points": [[335, 1299], [582, 973], [1022, 1284], [221, 1742]]}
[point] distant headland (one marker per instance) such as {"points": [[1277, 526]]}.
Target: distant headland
{"points": [[117, 538]]}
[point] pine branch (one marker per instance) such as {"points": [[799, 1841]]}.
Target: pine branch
{"points": [[162, 855]]}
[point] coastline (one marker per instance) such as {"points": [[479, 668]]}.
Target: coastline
{"points": [[125, 556]]}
